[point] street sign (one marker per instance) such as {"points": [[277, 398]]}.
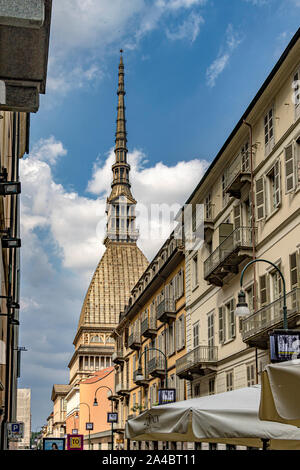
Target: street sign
{"points": [[112, 417], [166, 395], [74, 431], [89, 426], [75, 442], [284, 345], [15, 430]]}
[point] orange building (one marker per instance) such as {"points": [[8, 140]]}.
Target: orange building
{"points": [[81, 409]]}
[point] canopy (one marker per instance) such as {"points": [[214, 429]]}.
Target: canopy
{"points": [[280, 393], [229, 418]]}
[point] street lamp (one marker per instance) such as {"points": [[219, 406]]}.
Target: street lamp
{"points": [[83, 403], [139, 376], [242, 306], [112, 410]]}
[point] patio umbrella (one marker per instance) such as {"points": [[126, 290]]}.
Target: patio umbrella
{"points": [[228, 418], [280, 393]]}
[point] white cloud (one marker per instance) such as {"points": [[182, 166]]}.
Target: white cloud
{"points": [[84, 32], [232, 41], [48, 150], [258, 2], [189, 29]]}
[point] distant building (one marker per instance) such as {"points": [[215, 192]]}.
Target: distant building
{"points": [[24, 415]]}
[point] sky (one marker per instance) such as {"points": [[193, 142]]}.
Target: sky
{"points": [[191, 69]]}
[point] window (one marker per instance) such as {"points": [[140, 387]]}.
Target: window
{"points": [[273, 187], [225, 195], [296, 87], [276, 284], [290, 168], [269, 131], [294, 270], [264, 290], [245, 157], [180, 332], [250, 297], [222, 331], [229, 381], [260, 198], [171, 339], [250, 375], [208, 207], [210, 329], [211, 387], [230, 317], [196, 390], [195, 271], [196, 334]]}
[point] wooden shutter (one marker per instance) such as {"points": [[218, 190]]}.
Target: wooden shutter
{"points": [[221, 325], [264, 289], [277, 194], [177, 332], [182, 331], [294, 270], [289, 161], [260, 198]]}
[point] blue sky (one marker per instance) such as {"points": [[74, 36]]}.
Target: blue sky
{"points": [[191, 69]]}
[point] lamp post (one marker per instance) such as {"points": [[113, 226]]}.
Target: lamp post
{"points": [[112, 410], [242, 306], [83, 403], [140, 376]]}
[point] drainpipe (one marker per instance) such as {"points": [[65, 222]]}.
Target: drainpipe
{"points": [[253, 232]]}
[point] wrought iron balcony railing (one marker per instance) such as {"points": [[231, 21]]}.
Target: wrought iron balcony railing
{"points": [[166, 310], [134, 340], [148, 327], [118, 356], [228, 255], [197, 360], [238, 174], [255, 327], [157, 366]]}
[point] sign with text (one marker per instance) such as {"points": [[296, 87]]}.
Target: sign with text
{"points": [[112, 417], [15, 430], [74, 431], [166, 395], [75, 442], [284, 345], [89, 426]]}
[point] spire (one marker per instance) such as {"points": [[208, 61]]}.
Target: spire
{"points": [[121, 220]]}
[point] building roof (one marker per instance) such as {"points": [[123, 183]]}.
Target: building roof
{"points": [[96, 376], [118, 271]]}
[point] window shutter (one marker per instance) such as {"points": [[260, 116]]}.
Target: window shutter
{"points": [[182, 330], [277, 194], [177, 330], [264, 289], [260, 198], [221, 325], [289, 158]]}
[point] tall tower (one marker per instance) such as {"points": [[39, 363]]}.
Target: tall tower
{"points": [[120, 204], [119, 269]]}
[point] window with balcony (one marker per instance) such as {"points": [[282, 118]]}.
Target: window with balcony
{"points": [[264, 289], [276, 283], [269, 131]]}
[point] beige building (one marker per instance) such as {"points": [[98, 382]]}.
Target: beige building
{"points": [[151, 336], [251, 198], [24, 415], [58, 419]]}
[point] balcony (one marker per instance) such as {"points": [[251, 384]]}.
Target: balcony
{"points": [[148, 328], [239, 177], [166, 311], [118, 356], [122, 389], [257, 326], [157, 367], [134, 341], [143, 382], [237, 247], [200, 361]]}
